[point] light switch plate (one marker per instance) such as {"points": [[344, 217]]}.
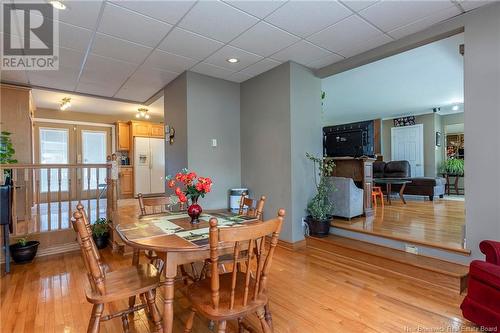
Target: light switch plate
{"points": [[411, 249], [214, 142]]}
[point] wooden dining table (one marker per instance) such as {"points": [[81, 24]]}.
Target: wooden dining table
{"points": [[176, 241]]}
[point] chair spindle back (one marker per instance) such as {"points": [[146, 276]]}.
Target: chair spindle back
{"points": [[252, 207], [154, 205], [250, 240], [90, 254]]}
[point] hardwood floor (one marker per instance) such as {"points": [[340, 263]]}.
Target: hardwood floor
{"points": [[439, 223], [310, 291]]}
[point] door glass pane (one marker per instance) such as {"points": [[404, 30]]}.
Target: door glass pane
{"points": [[53, 150], [94, 152]]}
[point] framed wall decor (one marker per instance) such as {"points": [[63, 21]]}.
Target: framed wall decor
{"points": [[404, 121]]}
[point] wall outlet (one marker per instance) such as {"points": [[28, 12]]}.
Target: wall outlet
{"points": [[411, 249]]}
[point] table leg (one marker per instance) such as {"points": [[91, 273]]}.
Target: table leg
{"points": [[456, 185], [388, 188], [170, 271], [401, 191], [135, 262]]}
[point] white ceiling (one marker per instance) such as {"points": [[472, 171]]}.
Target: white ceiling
{"points": [[409, 83], [51, 99], [131, 49]]}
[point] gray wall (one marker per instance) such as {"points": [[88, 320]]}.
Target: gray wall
{"points": [[213, 112], [482, 112], [175, 110], [265, 141], [280, 122], [306, 136]]}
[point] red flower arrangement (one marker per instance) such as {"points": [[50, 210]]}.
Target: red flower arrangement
{"points": [[194, 186]]}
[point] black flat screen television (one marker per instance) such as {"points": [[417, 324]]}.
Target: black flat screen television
{"points": [[354, 140]]}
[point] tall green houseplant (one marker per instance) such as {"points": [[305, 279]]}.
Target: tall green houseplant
{"points": [[320, 207], [7, 151]]}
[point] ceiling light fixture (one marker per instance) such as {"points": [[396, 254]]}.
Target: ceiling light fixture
{"points": [[455, 108], [142, 113], [65, 103], [232, 60], [57, 4]]}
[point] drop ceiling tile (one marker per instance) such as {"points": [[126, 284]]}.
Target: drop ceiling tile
{"points": [[217, 20], [389, 15], [189, 44], [260, 67], [120, 49], [126, 24], [425, 22], [14, 76], [367, 45], [238, 77], [102, 69], [99, 88], [145, 83], [303, 53], [70, 58], [211, 70], [357, 5], [257, 8], [351, 31], [264, 39], [169, 62], [473, 4], [81, 13], [166, 11], [304, 18], [74, 37], [220, 57], [64, 78], [331, 59]]}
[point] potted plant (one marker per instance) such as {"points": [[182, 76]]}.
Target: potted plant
{"points": [[453, 167], [194, 188], [24, 251], [7, 152], [100, 232], [320, 207]]}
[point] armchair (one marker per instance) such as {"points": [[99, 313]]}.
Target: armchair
{"points": [[347, 198], [482, 303]]}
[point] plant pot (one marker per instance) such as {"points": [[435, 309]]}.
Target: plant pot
{"points": [[194, 211], [101, 241], [318, 228], [24, 254]]}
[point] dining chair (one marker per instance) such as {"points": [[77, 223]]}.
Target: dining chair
{"points": [[156, 205], [106, 287], [252, 207], [235, 295]]}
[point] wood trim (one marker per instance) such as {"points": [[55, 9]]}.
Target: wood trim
{"points": [[64, 248], [13, 86], [465, 252], [71, 122], [291, 246], [53, 166]]}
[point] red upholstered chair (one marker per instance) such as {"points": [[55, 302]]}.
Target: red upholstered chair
{"points": [[482, 303]]}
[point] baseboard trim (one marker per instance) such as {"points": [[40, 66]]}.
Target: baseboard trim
{"points": [[292, 246], [63, 248]]}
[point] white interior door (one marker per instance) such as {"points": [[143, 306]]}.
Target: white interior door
{"points": [[94, 151], [157, 148], [407, 143]]}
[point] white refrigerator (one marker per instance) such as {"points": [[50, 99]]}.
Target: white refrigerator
{"points": [[149, 166]]}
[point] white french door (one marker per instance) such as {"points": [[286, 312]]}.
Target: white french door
{"points": [[94, 151], [407, 143]]}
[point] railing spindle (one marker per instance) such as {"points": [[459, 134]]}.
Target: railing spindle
{"points": [[70, 194], [97, 215], [38, 200], [49, 215], [27, 189], [59, 173], [89, 208], [14, 202]]}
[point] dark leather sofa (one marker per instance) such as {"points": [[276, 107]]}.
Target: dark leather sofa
{"points": [[427, 186]]}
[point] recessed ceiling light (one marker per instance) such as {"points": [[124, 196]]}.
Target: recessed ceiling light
{"points": [[455, 108], [57, 4], [233, 60]]}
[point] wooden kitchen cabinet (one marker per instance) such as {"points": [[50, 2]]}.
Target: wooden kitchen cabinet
{"points": [[141, 129], [123, 136], [157, 131], [126, 182]]}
